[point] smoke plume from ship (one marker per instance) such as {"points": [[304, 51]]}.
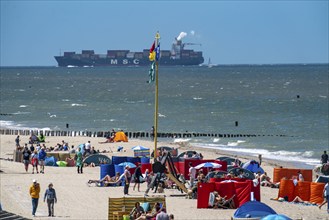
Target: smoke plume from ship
{"points": [[181, 35]]}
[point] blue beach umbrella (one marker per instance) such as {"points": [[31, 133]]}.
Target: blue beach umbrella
{"points": [[131, 165]]}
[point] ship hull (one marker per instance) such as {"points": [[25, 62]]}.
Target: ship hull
{"points": [[69, 61]]}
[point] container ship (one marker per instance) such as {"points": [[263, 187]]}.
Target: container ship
{"points": [[177, 56]]}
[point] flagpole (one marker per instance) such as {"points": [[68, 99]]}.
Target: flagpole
{"points": [[157, 37]]}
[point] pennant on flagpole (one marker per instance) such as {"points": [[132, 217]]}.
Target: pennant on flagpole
{"points": [[152, 52], [158, 52], [152, 73]]}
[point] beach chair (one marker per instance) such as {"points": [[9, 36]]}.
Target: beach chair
{"points": [[227, 204]]}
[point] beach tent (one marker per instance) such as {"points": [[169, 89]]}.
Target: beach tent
{"points": [[247, 173], [276, 217], [97, 159], [50, 161], [253, 209], [216, 174], [189, 153], [230, 160], [61, 163], [253, 166], [120, 136], [139, 148]]}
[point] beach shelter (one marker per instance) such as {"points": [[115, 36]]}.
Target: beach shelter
{"points": [[141, 151], [97, 159], [230, 160], [216, 174], [253, 166], [247, 173], [131, 165], [253, 209], [189, 153], [276, 217], [50, 161], [139, 148], [120, 136]]}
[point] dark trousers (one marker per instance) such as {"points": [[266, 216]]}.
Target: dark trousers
{"points": [[34, 205], [80, 169], [126, 187], [51, 203]]}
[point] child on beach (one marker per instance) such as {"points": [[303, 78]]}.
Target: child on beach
{"points": [[34, 161]]}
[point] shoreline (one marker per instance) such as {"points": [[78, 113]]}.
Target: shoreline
{"points": [[76, 199]]}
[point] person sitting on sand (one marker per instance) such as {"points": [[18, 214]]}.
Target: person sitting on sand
{"points": [[136, 211], [155, 210], [297, 199], [109, 138], [266, 180]]}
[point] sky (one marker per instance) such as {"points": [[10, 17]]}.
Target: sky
{"points": [[230, 32]]}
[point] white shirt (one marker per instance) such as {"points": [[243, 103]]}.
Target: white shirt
{"points": [[192, 172], [87, 146]]}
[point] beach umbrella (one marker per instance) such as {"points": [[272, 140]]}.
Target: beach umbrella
{"points": [[139, 148], [131, 165], [208, 165], [276, 217]]}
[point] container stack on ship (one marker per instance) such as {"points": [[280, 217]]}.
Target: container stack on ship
{"points": [[177, 56]]}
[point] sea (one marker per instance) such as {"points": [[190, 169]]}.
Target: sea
{"points": [[279, 111]]}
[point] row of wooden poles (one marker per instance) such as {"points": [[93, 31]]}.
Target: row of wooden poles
{"points": [[136, 134]]}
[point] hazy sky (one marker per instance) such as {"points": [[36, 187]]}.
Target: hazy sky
{"points": [[231, 32]]}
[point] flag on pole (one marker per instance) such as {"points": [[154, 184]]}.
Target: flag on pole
{"points": [[158, 52], [152, 73], [152, 52]]}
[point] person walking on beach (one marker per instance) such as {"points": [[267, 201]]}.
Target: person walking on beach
{"points": [[34, 161], [50, 195], [26, 157], [34, 193], [137, 176], [324, 157], [17, 140], [127, 176], [42, 156], [78, 160]]}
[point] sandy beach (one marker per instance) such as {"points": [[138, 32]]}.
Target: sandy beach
{"points": [[76, 200]]}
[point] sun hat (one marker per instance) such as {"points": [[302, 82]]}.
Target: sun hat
{"points": [[34, 181]]}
